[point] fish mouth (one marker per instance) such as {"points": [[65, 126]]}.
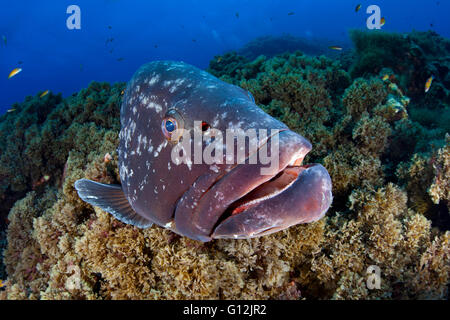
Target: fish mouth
{"points": [[243, 203], [297, 194]]}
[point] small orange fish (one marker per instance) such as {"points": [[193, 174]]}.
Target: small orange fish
{"points": [[428, 84], [382, 21], [2, 284], [14, 72], [336, 48], [43, 94], [358, 7]]}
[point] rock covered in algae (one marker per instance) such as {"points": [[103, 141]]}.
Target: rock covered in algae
{"points": [[440, 189], [383, 212]]}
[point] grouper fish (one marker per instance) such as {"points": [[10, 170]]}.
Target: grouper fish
{"points": [[232, 198]]}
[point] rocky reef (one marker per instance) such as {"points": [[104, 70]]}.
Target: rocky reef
{"points": [[270, 46], [390, 183]]}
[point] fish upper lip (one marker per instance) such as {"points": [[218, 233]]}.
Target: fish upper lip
{"points": [[222, 176]]}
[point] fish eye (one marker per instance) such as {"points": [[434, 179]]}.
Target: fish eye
{"points": [[170, 124]]}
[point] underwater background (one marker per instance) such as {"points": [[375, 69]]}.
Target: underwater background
{"points": [[373, 103]]}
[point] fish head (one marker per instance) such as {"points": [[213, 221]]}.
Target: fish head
{"points": [[198, 156]]}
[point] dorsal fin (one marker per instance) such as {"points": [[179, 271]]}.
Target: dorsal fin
{"points": [[110, 198]]}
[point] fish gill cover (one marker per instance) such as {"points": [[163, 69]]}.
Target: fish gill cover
{"points": [[385, 143]]}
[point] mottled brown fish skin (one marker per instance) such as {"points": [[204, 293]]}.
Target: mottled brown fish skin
{"points": [[193, 199]]}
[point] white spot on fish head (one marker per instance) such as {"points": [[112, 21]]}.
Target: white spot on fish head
{"points": [[167, 83], [153, 80], [156, 106]]}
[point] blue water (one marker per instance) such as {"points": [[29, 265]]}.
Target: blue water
{"points": [[65, 61]]}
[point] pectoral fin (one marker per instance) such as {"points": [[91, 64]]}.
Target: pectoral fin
{"points": [[110, 198]]}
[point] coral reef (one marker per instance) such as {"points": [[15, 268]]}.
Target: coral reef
{"points": [[413, 58], [390, 210]]}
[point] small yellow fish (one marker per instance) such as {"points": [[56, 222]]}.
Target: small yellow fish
{"points": [[14, 72], [336, 48], [11, 110], [122, 92], [358, 7], [428, 84], [385, 77], [382, 21], [43, 94]]}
